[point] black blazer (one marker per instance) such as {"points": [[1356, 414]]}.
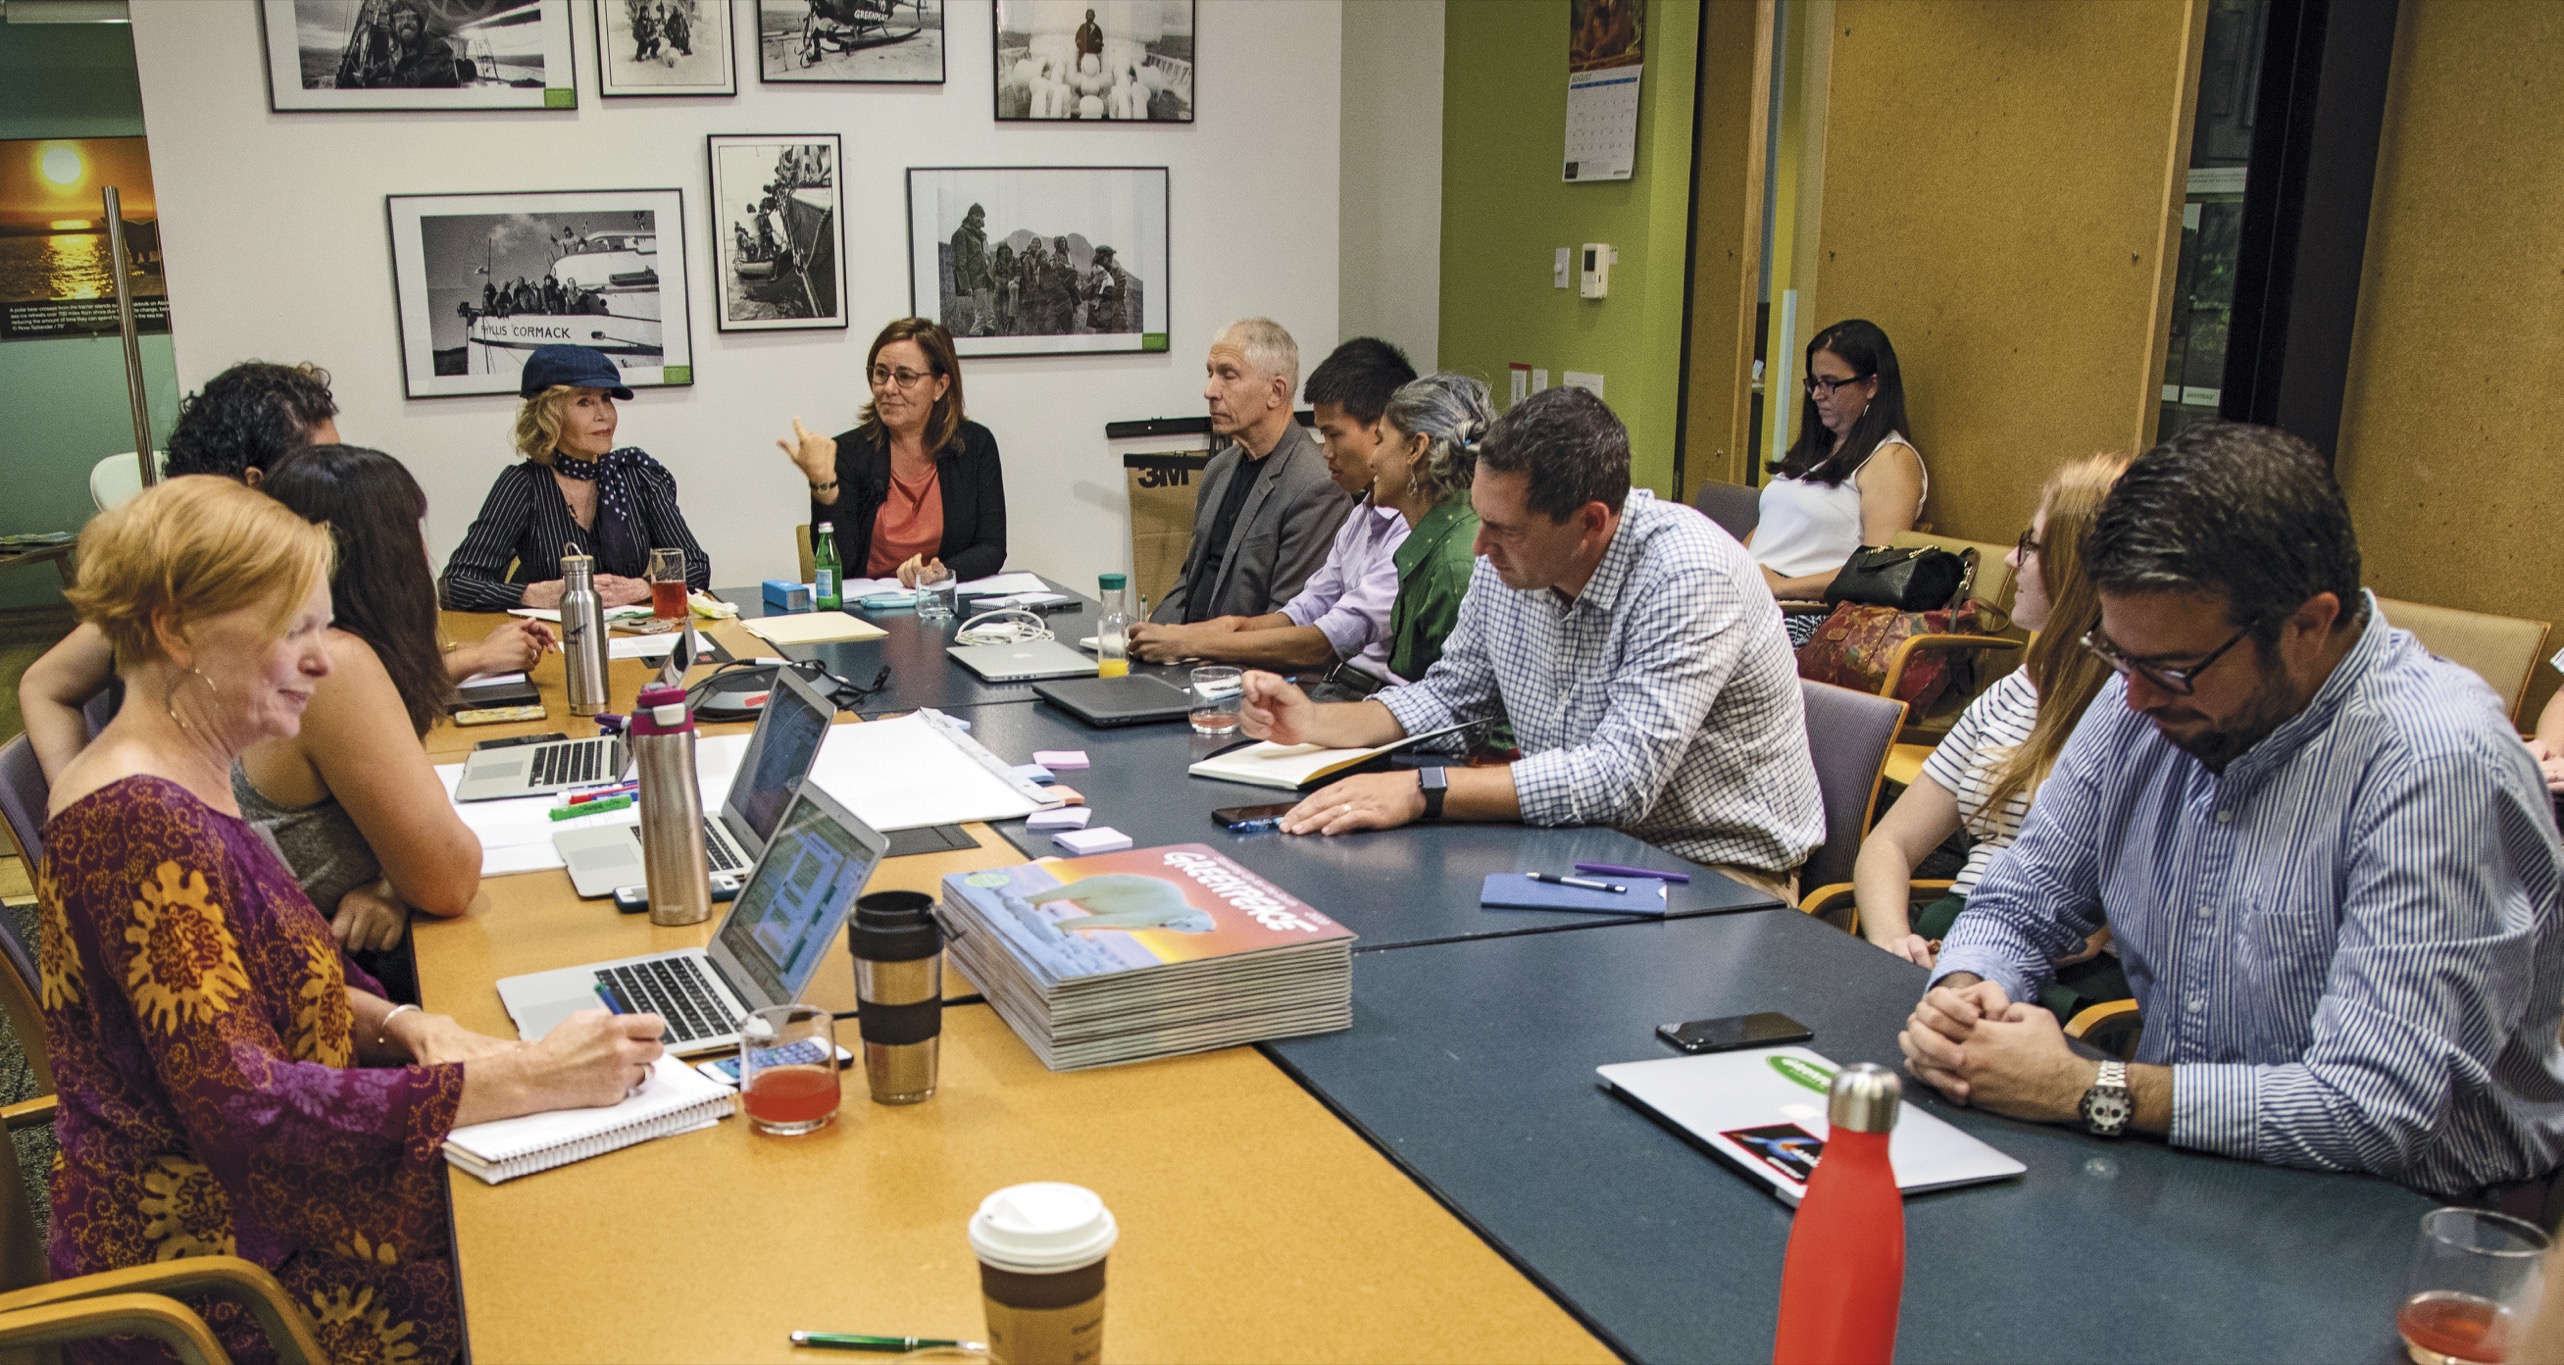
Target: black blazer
{"points": [[974, 489]]}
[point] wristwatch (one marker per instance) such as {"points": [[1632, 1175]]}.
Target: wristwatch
{"points": [[2107, 1106], [1433, 782]]}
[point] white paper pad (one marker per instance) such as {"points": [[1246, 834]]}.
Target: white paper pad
{"points": [[631, 613], [812, 628], [516, 834], [1002, 583], [657, 646], [909, 772]]}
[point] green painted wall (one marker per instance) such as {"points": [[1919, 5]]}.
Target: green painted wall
{"points": [[65, 400], [1505, 213]]}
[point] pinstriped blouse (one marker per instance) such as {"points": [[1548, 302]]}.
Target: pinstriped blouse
{"points": [[526, 519]]}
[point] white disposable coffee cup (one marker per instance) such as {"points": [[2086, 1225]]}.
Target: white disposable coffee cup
{"points": [[1041, 1250]]}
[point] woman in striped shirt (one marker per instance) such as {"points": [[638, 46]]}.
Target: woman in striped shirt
{"points": [[575, 492], [1983, 774]]}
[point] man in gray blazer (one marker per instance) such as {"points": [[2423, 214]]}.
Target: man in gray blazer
{"points": [[1267, 511]]}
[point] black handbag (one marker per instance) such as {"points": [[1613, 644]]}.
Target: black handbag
{"points": [[1914, 578]]}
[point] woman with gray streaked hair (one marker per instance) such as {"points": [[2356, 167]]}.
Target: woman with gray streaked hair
{"points": [[1427, 455]]}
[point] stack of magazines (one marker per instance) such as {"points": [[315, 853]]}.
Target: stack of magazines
{"points": [[1146, 953]]}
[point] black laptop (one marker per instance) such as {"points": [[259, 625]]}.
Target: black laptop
{"points": [[1136, 699]]}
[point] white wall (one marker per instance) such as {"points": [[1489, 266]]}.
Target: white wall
{"points": [[1391, 215], [274, 236]]}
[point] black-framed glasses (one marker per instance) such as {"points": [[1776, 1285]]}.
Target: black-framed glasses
{"points": [[2027, 546], [883, 377], [1816, 383], [2180, 682]]}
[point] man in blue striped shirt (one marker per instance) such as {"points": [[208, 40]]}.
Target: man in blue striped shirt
{"points": [[2325, 855]]}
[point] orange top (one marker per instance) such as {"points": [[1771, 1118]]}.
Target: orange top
{"points": [[910, 522]]}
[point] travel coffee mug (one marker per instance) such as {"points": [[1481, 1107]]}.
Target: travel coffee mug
{"points": [[1041, 1251], [899, 993]]}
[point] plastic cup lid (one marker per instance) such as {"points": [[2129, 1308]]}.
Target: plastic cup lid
{"points": [[1042, 1227]]}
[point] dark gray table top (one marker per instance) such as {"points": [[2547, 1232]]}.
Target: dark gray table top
{"points": [[1472, 1064], [921, 674], [1395, 888]]}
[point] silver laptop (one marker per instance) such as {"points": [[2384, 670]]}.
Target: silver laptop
{"points": [[1023, 662], [778, 932], [541, 769], [790, 728]]}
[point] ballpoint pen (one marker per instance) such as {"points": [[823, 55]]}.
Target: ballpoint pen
{"points": [[1616, 870], [1579, 883], [605, 993], [850, 1341]]}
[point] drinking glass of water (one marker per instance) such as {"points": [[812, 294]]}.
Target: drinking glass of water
{"points": [[938, 593], [1217, 689], [2471, 1288]]}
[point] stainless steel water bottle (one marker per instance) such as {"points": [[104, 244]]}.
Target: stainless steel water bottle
{"points": [[582, 634], [899, 993], [672, 852]]}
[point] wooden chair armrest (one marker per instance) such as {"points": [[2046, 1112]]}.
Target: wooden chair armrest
{"points": [[1928, 888], [34, 1113], [2084, 1019], [244, 1282], [1912, 645], [164, 1320], [1825, 898], [1796, 606]]}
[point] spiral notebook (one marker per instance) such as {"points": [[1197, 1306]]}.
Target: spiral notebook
{"points": [[676, 1099]]}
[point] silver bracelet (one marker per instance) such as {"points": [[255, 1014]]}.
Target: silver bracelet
{"points": [[383, 1031]]}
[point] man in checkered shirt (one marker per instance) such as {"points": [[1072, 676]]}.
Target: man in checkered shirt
{"points": [[1633, 647]]}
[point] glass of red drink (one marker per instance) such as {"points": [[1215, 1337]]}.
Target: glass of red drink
{"points": [[668, 585], [2471, 1287], [788, 1069]]}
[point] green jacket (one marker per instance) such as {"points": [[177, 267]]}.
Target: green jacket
{"points": [[1434, 564]]}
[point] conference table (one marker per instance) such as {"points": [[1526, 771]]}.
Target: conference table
{"points": [[1445, 1180]]}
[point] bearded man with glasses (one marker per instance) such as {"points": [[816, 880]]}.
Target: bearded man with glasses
{"points": [[2325, 855]]}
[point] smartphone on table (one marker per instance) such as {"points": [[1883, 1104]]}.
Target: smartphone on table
{"points": [[1251, 817], [1731, 1032], [725, 1069]]}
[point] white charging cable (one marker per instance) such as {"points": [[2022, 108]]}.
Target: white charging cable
{"points": [[1008, 626]]}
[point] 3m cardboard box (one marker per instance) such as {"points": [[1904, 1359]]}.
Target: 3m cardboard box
{"points": [[1163, 487]]}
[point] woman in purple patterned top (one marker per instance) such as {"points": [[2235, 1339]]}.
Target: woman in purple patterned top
{"points": [[229, 1083]]}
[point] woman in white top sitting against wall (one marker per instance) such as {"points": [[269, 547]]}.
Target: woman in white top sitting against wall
{"points": [[1851, 478], [1984, 774]]}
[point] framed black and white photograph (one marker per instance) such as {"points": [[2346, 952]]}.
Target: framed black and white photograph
{"points": [[850, 42], [664, 47], [417, 54], [481, 280], [1048, 260], [1126, 60], [778, 229]]}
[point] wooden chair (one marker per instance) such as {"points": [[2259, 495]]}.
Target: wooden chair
{"points": [[2503, 650], [1834, 904], [801, 546], [2112, 1026]]}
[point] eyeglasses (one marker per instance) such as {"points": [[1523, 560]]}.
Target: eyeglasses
{"points": [[1816, 382], [2180, 682], [2028, 546], [883, 377]]}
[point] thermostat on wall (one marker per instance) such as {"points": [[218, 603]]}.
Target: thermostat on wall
{"points": [[1597, 258]]}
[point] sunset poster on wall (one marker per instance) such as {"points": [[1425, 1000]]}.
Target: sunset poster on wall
{"points": [[57, 276]]}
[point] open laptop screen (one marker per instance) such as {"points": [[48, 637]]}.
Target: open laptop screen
{"points": [[793, 905], [789, 733]]}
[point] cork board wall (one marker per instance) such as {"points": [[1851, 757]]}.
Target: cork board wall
{"points": [[2451, 427], [2002, 185]]}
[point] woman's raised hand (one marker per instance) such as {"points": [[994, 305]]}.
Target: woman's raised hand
{"points": [[816, 455]]}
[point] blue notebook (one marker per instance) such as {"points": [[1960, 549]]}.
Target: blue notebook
{"points": [[1517, 891]]}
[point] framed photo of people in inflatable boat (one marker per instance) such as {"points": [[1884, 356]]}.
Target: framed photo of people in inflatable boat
{"points": [[480, 280], [778, 231]]}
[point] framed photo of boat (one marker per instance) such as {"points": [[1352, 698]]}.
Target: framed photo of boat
{"points": [[480, 280], [417, 54], [664, 47], [1040, 260], [850, 42], [778, 231], [1128, 61]]}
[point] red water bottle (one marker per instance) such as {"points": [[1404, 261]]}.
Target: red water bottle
{"points": [[1845, 1269]]}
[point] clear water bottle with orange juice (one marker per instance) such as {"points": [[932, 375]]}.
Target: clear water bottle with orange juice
{"points": [[1113, 628]]}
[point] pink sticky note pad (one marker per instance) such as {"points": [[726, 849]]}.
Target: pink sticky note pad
{"points": [[1066, 817], [1071, 795], [1101, 839], [1060, 760]]}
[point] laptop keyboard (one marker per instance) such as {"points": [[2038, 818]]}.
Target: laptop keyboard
{"points": [[718, 848], [577, 763], [675, 989]]}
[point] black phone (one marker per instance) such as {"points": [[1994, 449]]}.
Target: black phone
{"points": [[1230, 817], [513, 740], [1735, 1031]]}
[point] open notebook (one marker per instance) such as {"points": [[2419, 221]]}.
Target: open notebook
{"points": [[676, 1099], [1294, 766]]}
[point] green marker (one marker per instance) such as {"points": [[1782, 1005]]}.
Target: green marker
{"points": [[591, 808], [846, 1341]]}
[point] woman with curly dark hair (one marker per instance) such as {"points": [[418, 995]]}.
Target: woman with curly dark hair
{"points": [[247, 417]]}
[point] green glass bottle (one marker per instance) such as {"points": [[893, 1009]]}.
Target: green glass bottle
{"points": [[827, 588]]}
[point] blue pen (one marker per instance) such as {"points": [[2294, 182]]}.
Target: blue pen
{"points": [[605, 993], [1616, 870]]}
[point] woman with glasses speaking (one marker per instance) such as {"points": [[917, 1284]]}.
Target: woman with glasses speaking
{"points": [[915, 488], [1850, 479]]}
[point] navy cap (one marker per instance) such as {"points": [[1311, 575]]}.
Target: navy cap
{"points": [[580, 367]]}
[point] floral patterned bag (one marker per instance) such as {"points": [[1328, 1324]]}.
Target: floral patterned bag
{"points": [[1853, 646]]}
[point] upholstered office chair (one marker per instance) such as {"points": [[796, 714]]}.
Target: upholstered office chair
{"points": [[1732, 505], [1848, 734], [22, 810], [2503, 650]]}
